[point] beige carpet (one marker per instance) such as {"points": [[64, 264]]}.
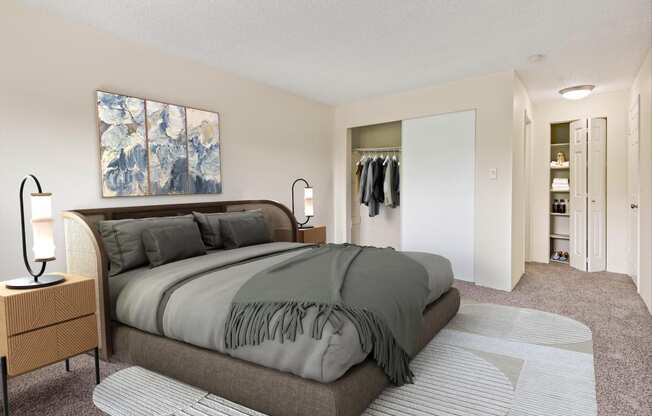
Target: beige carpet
{"points": [[607, 303]]}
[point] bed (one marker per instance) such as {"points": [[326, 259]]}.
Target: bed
{"points": [[300, 378]]}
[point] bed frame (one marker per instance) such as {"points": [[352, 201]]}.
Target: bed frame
{"points": [[267, 390]]}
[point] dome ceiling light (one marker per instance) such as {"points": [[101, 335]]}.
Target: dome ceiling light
{"points": [[577, 92]]}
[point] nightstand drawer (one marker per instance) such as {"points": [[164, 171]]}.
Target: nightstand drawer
{"points": [[34, 309], [76, 336], [316, 235], [32, 350], [38, 348]]}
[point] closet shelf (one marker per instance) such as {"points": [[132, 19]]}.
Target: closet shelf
{"points": [[559, 168], [559, 144], [557, 214], [559, 192], [378, 149], [560, 236]]}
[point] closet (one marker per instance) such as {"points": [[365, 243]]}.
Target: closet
{"points": [[578, 193], [436, 161], [383, 229]]}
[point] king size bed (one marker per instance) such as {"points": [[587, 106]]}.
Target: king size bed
{"points": [[205, 319]]}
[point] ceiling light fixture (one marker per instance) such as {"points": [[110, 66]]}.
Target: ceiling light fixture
{"points": [[577, 92]]}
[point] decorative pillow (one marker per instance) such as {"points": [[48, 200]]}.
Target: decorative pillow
{"points": [[123, 240], [209, 225], [243, 229], [172, 242]]}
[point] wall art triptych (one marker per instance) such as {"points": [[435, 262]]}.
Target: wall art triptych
{"points": [[153, 148]]}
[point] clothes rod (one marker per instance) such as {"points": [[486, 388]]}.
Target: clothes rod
{"points": [[377, 149]]}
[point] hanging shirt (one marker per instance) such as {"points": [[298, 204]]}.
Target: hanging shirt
{"points": [[363, 180], [396, 188], [387, 183]]}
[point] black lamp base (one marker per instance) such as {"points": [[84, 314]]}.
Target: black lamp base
{"points": [[33, 283], [303, 227]]}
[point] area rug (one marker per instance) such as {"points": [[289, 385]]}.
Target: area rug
{"points": [[489, 360]]}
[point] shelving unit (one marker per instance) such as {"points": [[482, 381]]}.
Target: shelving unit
{"points": [[559, 222]]}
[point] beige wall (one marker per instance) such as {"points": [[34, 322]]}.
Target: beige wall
{"points": [[643, 87], [49, 72], [492, 97], [521, 106], [383, 230], [613, 106]]}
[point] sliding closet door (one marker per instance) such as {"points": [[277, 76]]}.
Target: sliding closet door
{"points": [[438, 186], [578, 148], [597, 205]]}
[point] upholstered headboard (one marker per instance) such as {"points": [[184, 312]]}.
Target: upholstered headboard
{"points": [[85, 253]]}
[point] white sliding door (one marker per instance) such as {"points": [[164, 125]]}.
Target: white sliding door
{"points": [[438, 186], [578, 147], [597, 198]]}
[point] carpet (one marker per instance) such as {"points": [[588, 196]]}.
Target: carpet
{"points": [[489, 360]]}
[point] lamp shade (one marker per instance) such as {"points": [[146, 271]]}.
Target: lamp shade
{"points": [[42, 226], [308, 207]]}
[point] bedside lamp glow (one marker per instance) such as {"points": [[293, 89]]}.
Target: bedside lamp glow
{"points": [[308, 205], [42, 227], [42, 239]]}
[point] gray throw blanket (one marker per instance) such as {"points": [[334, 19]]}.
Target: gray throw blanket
{"points": [[381, 291]]}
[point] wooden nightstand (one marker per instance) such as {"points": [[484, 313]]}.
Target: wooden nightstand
{"points": [[41, 326], [315, 235]]}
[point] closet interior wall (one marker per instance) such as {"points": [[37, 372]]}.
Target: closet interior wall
{"points": [[384, 229]]}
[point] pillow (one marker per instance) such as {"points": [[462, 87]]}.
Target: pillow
{"points": [[172, 242], [241, 229], [209, 225], [123, 240]]}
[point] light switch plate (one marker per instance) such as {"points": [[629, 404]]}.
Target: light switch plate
{"points": [[493, 173]]}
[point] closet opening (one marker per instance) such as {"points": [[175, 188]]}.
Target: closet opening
{"points": [[375, 199]]}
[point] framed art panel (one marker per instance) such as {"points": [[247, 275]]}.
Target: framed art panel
{"points": [[167, 149], [123, 145], [204, 151]]}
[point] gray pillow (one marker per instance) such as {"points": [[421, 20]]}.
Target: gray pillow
{"points": [[209, 225], [123, 240], [172, 242], [244, 229]]}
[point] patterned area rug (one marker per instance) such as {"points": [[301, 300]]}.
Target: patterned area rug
{"points": [[489, 360]]}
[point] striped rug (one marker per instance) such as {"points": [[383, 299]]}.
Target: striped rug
{"points": [[490, 360]]}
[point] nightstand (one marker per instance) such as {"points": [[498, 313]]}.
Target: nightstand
{"points": [[39, 327], [315, 235]]}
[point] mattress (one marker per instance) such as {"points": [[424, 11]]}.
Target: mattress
{"points": [[189, 300]]}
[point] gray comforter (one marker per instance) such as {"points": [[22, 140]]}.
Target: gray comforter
{"points": [[189, 301]]}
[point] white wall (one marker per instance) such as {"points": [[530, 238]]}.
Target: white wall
{"points": [[492, 98], [643, 86], [614, 107], [521, 106], [48, 76]]}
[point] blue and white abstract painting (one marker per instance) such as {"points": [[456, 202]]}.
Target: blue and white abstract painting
{"points": [[123, 148], [168, 149], [204, 151], [154, 148]]}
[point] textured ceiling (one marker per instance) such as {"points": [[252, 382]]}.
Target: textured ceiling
{"points": [[337, 51]]}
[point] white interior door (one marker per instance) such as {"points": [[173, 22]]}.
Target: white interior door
{"points": [[597, 205], [633, 178], [438, 186], [578, 149]]}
